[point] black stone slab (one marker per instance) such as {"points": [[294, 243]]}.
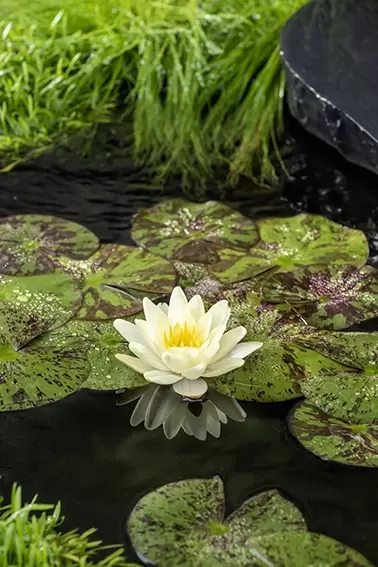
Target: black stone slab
{"points": [[330, 51]]}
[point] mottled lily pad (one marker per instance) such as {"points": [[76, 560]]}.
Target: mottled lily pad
{"points": [[36, 374], [116, 278], [333, 297], [30, 244], [193, 232], [333, 439], [286, 243], [301, 549], [31, 305], [103, 342], [183, 524], [352, 392], [273, 372]]}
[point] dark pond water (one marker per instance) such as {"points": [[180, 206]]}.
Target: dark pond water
{"points": [[83, 451]]}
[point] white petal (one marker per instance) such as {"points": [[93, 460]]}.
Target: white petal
{"points": [[228, 341], [177, 305], [217, 332], [179, 363], [160, 377], [134, 363], [220, 313], [141, 351], [204, 325], [244, 349], [208, 350], [196, 307], [195, 372], [191, 388], [163, 307], [128, 330], [152, 339], [222, 367], [155, 317]]}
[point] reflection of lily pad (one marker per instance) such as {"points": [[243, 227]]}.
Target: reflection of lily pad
{"points": [[302, 549], [183, 524], [286, 243], [103, 342], [333, 297], [350, 393], [333, 439], [116, 277], [273, 372], [36, 375], [32, 305], [29, 244], [193, 232]]}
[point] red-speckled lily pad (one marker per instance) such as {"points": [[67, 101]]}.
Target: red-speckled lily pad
{"points": [[115, 279], [286, 243], [30, 244], [333, 439], [327, 297], [193, 232], [183, 524]]}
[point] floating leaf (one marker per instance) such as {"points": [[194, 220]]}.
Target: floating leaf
{"points": [[328, 297], [301, 549], [350, 393], [103, 343], [36, 374], [286, 243], [115, 279], [183, 524], [30, 244], [333, 439], [193, 232], [31, 305], [273, 372]]}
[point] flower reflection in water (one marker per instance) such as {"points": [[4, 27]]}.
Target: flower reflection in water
{"points": [[160, 405]]}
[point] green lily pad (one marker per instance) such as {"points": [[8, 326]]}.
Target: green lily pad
{"points": [[333, 439], [36, 374], [31, 305], [102, 342], [30, 244], [351, 393], [286, 243], [116, 278], [193, 232], [301, 549], [273, 372], [183, 524], [333, 297]]}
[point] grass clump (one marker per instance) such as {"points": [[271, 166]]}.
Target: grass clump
{"points": [[201, 81], [29, 537]]}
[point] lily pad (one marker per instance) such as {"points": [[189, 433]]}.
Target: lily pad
{"points": [[286, 243], [333, 439], [35, 374], [350, 393], [333, 297], [273, 372], [116, 278], [31, 305], [302, 549], [183, 524], [193, 232], [30, 244]]}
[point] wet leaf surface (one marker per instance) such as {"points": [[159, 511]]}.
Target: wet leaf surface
{"points": [[328, 297], [30, 244], [115, 279], [333, 439], [193, 232], [286, 243], [183, 523]]}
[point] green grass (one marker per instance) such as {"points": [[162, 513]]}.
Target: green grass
{"points": [[30, 537], [201, 82]]}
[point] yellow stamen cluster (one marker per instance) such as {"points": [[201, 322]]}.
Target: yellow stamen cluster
{"points": [[185, 336]]}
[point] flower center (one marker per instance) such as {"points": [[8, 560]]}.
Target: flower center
{"points": [[185, 336]]}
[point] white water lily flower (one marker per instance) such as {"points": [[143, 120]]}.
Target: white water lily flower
{"points": [[180, 344]]}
